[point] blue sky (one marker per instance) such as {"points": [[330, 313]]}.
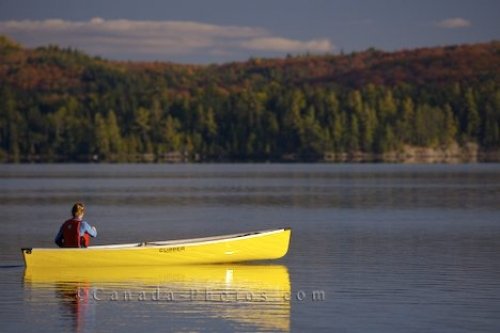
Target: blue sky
{"points": [[208, 31]]}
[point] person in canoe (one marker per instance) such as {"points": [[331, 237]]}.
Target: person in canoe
{"points": [[75, 232]]}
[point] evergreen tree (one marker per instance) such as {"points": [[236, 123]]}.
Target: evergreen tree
{"points": [[450, 127], [114, 136], [101, 137], [472, 115]]}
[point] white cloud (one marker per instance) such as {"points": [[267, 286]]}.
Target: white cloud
{"points": [[454, 23], [288, 45], [158, 38]]}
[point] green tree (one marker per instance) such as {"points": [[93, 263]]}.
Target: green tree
{"points": [[312, 136], [472, 115], [142, 122], [353, 134], [450, 126], [114, 136], [405, 125], [292, 123], [10, 122], [338, 130], [387, 107], [101, 136], [491, 128], [171, 135], [368, 125]]}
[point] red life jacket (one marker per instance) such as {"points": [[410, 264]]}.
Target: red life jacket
{"points": [[71, 234]]}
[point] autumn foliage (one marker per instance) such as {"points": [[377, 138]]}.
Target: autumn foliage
{"points": [[63, 105]]}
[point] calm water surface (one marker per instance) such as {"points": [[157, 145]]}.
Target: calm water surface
{"points": [[375, 248]]}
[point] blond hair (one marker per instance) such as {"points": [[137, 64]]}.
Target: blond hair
{"points": [[78, 209]]}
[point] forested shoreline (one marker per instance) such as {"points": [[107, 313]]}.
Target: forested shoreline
{"points": [[59, 105]]}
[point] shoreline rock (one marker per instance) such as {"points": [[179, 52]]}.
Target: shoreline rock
{"points": [[469, 153]]}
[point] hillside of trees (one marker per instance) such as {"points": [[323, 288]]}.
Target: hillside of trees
{"points": [[62, 105]]}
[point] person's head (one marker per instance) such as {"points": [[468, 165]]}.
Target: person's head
{"points": [[78, 210]]}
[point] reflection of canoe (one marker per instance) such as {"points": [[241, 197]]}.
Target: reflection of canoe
{"points": [[240, 275], [254, 296], [260, 245]]}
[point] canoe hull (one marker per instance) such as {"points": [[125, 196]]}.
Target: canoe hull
{"points": [[263, 245]]}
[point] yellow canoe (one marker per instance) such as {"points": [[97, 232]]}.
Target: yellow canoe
{"points": [[259, 245]]}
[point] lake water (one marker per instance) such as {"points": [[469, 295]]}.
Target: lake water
{"points": [[375, 248]]}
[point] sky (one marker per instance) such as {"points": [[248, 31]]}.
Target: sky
{"points": [[218, 31]]}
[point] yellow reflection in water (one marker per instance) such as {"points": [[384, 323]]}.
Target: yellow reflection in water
{"points": [[251, 295]]}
